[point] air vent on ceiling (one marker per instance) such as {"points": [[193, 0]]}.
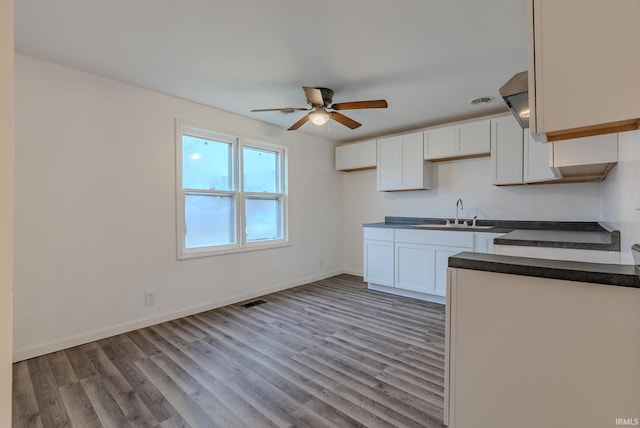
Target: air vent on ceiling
{"points": [[481, 100]]}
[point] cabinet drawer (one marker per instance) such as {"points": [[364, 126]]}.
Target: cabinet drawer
{"points": [[378, 233], [435, 237]]}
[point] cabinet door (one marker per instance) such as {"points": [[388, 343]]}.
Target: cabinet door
{"points": [[367, 154], [412, 161], [473, 138], [586, 151], [483, 242], [439, 143], [506, 151], [347, 157], [538, 160], [415, 267], [378, 262], [586, 76], [389, 163], [441, 263]]}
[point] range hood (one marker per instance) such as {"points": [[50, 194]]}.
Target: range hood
{"points": [[516, 94]]}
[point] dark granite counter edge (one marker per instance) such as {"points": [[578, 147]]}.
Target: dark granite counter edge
{"points": [[585, 226], [596, 273], [505, 240], [609, 233]]}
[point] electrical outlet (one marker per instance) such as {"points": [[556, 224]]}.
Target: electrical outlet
{"points": [[150, 297], [321, 264]]}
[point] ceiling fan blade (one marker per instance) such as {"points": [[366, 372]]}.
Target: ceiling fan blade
{"points": [[314, 96], [283, 109], [360, 104], [299, 123], [346, 121]]}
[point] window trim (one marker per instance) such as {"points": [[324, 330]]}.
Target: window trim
{"points": [[282, 194], [240, 197]]}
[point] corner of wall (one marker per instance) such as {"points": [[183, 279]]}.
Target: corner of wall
{"points": [[6, 208]]}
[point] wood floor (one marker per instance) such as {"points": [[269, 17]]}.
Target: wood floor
{"points": [[330, 353]]}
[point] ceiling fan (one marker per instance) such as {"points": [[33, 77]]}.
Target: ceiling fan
{"points": [[320, 100]]}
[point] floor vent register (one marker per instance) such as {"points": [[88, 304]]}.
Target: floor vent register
{"points": [[254, 303]]}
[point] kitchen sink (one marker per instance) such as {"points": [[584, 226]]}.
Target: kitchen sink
{"points": [[451, 226]]}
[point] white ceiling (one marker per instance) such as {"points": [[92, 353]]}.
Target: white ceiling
{"points": [[427, 58]]}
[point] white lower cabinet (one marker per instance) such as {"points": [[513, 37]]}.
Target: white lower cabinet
{"points": [[483, 242], [423, 268], [411, 262], [378, 256], [441, 266], [414, 267], [421, 258]]}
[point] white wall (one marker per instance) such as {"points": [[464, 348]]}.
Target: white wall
{"points": [[95, 211], [6, 206], [621, 194], [469, 179]]}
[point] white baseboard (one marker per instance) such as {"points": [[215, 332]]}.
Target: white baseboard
{"points": [[57, 345], [353, 272], [407, 293]]}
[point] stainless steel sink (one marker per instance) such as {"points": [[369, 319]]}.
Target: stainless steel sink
{"points": [[451, 226]]}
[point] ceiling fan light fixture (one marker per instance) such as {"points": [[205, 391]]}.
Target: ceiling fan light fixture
{"points": [[319, 116]]}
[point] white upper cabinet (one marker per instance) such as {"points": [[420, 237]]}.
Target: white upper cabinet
{"points": [[401, 164], [367, 154], [474, 138], [439, 143], [353, 157], [599, 149], [506, 151], [584, 67], [464, 140], [516, 158], [538, 161]]}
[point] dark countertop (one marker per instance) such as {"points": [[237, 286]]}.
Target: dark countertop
{"points": [[563, 234], [598, 273]]}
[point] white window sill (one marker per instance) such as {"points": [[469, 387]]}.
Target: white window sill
{"points": [[194, 254]]}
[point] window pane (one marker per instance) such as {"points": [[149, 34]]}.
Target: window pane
{"points": [[209, 220], [263, 219], [260, 170], [206, 164]]}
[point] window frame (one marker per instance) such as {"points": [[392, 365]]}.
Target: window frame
{"points": [[281, 194], [237, 193]]}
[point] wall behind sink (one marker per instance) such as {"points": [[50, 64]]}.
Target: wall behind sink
{"points": [[621, 194], [469, 179]]}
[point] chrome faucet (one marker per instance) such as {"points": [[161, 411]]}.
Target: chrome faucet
{"points": [[458, 204]]}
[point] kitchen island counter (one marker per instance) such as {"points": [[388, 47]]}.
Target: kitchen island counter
{"points": [[544, 343], [597, 273]]}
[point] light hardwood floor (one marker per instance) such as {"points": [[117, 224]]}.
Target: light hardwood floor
{"points": [[330, 353]]}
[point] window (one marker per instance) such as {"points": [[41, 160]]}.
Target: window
{"points": [[231, 193]]}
